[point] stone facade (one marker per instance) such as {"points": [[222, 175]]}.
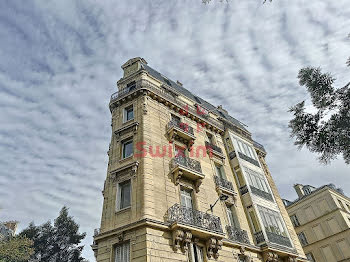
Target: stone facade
{"points": [[181, 164], [321, 217]]}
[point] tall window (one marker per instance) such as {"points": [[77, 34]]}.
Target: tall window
{"points": [[196, 253], [127, 149], [180, 151], [256, 180], [124, 194], [220, 171], [310, 257], [272, 221], [128, 113], [245, 149], [186, 198], [210, 138], [122, 252], [302, 239], [232, 218], [295, 220]]}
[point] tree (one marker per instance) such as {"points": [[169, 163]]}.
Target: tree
{"points": [[16, 249], [57, 242], [326, 132]]}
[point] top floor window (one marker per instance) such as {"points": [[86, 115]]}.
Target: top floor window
{"points": [[128, 113]]}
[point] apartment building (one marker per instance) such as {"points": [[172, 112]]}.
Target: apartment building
{"points": [[186, 181], [321, 217]]}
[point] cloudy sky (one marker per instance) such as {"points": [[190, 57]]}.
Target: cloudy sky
{"points": [[60, 61]]}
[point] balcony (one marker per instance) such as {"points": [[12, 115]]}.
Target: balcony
{"points": [[259, 237], [224, 185], [261, 193], [199, 223], [180, 131], [248, 159], [236, 234], [214, 150], [278, 239], [185, 167]]}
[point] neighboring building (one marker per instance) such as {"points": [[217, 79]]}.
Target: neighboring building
{"points": [[172, 155], [321, 217], [7, 229]]}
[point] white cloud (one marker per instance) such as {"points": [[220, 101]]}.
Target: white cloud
{"points": [[61, 60]]}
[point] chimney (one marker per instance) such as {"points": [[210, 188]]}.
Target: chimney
{"points": [[299, 189], [223, 110], [132, 65], [179, 83]]}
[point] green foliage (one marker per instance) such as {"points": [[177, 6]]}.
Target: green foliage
{"points": [[57, 242], [326, 132], [16, 249]]}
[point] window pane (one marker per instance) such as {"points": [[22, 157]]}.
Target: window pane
{"points": [[125, 194], [127, 149], [129, 114], [122, 253]]}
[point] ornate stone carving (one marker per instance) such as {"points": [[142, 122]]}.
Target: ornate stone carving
{"points": [[213, 247], [177, 239], [187, 240], [271, 257], [291, 259]]}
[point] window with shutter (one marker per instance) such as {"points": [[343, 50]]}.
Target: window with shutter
{"points": [[122, 252]]}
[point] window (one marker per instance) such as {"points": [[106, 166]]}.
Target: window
{"points": [[127, 149], [124, 195], [302, 239], [175, 118], [245, 149], [196, 253], [295, 220], [220, 171], [180, 151], [128, 113], [131, 86], [122, 252], [186, 198], [272, 221], [232, 218], [310, 257], [256, 180], [340, 204], [210, 138]]}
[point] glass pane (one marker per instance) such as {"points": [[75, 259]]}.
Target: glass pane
{"points": [[127, 149], [125, 195], [129, 114]]}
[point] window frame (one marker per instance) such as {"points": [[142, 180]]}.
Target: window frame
{"points": [[186, 197], [120, 192], [122, 246], [125, 113], [123, 144], [194, 252], [303, 239], [311, 256], [295, 220]]}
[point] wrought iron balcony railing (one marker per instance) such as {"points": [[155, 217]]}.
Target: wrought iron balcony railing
{"points": [[213, 147], [237, 234], [183, 126], [259, 237], [223, 183], [261, 193], [244, 189], [191, 217], [278, 239], [248, 159], [186, 162]]}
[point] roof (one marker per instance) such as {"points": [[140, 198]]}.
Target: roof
{"points": [[188, 94], [329, 186]]}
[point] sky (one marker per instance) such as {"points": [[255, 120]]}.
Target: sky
{"points": [[60, 61]]}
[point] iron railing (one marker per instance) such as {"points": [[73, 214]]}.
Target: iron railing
{"points": [[237, 234], [259, 237], [278, 239], [213, 147], [249, 159], [194, 218], [223, 183], [261, 193], [167, 94], [187, 162], [183, 126], [244, 189]]}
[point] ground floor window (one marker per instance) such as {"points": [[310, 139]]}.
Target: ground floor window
{"points": [[196, 253], [122, 252]]}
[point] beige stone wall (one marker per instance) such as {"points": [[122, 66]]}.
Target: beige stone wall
{"points": [[325, 224]]}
